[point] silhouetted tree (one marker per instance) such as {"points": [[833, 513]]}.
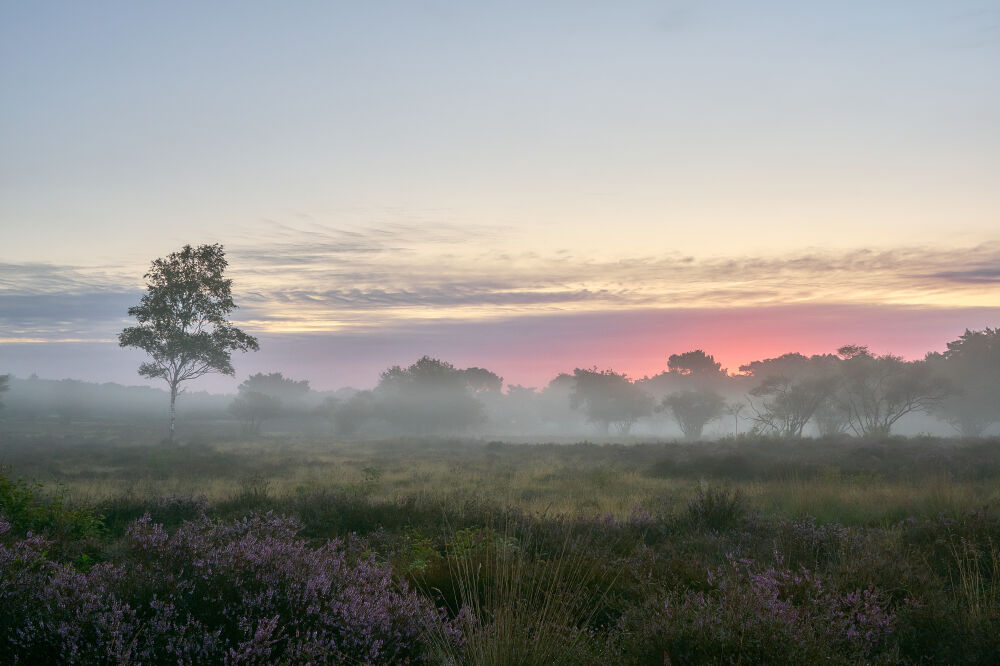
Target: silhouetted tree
{"points": [[481, 380], [693, 410], [276, 385], [263, 397], [791, 389], [350, 415], [608, 398], [693, 370], [972, 365], [428, 397], [254, 408], [4, 386], [695, 363], [876, 391], [182, 320]]}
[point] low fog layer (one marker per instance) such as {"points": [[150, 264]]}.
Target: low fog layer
{"points": [[852, 392]]}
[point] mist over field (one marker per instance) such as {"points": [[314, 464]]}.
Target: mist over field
{"points": [[850, 393], [490, 333]]}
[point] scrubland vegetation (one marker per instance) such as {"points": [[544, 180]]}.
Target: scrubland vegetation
{"points": [[299, 548]]}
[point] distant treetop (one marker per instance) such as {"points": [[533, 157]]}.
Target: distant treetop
{"points": [[696, 363]]}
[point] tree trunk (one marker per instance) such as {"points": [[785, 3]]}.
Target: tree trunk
{"points": [[173, 410]]}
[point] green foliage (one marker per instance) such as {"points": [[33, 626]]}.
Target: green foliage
{"points": [[372, 474], [28, 509], [182, 319], [416, 553], [544, 586], [717, 508]]}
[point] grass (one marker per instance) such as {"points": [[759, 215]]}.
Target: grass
{"points": [[514, 606], [573, 479], [583, 552]]}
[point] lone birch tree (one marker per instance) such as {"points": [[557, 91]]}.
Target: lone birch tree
{"points": [[182, 320]]}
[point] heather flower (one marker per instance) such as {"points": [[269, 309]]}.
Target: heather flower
{"points": [[764, 615], [249, 591]]}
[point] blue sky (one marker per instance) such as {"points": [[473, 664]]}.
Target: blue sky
{"points": [[456, 163]]}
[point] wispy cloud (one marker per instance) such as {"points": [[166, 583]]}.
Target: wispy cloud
{"points": [[45, 278], [408, 274], [317, 278], [979, 275]]}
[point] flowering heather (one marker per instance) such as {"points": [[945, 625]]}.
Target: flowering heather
{"points": [[772, 615], [248, 591], [804, 541]]}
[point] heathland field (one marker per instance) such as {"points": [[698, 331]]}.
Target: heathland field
{"points": [[301, 549]]}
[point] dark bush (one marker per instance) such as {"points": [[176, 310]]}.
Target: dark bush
{"points": [[717, 508], [249, 591]]}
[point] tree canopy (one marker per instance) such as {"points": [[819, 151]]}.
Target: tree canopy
{"points": [[696, 363], [791, 389], [693, 410], [972, 365], [876, 391], [430, 396], [182, 320], [261, 397], [609, 399]]}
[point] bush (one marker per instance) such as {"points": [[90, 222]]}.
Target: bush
{"points": [[71, 530], [248, 591], [769, 616], [171, 510], [717, 508], [804, 543]]}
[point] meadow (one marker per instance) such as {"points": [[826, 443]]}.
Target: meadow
{"points": [[118, 548]]}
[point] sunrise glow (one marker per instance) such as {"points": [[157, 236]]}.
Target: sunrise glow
{"points": [[580, 186]]}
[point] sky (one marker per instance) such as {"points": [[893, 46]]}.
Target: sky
{"points": [[525, 186]]}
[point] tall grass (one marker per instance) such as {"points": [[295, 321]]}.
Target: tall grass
{"points": [[515, 603], [977, 578]]}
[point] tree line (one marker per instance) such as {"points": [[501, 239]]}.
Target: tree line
{"points": [[853, 392], [183, 326]]}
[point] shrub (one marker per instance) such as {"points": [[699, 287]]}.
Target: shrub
{"points": [[769, 616], [717, 508], [803, 542], [26, 510], [171, 510], [248, 591]]}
